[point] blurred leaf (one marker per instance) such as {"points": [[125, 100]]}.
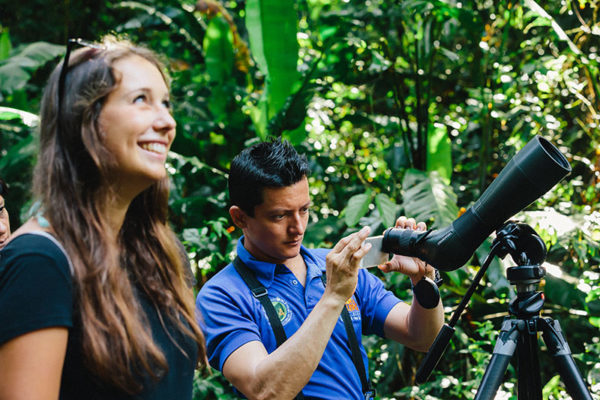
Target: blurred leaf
{"points": [[427, 197], [5, 45], [8, 113], [16, 70], [218, 50], [387, 209], [357, 207], [439, 152]]}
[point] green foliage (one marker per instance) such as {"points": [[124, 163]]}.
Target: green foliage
{"points": [[15, 71], [402, 108], [427, 198], [272, 27]]}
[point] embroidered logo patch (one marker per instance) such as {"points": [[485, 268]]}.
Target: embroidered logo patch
{"points": [[283, 310], [353, 309]]}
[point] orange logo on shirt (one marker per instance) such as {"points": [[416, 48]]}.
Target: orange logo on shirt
{"points": [[351, 305]]}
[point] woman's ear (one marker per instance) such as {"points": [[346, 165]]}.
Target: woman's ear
{"points": [[238, 216]]}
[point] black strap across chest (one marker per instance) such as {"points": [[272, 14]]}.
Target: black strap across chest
{"points": [[261, 293]]}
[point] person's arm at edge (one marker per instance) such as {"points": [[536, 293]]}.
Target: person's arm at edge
{"points": [[31, 365], [284, 372]]}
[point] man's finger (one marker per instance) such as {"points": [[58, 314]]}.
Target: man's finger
{"points": [[356, 241], [400, 222], [339, 246], [362, 251]]}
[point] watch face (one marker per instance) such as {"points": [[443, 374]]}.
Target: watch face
{"points": [[427, 293]]}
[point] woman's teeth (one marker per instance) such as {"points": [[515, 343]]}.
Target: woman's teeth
{"points": [[154, 147]]}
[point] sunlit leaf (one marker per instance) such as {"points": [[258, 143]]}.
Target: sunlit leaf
{"points": [[439, 152]]}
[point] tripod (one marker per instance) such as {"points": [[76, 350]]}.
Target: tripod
{"points": [[520, 333]]}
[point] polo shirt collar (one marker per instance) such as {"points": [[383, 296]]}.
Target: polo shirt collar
{"points": [[265, 271]]}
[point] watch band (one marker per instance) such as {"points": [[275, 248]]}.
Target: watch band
{"points": [[438, 278]]}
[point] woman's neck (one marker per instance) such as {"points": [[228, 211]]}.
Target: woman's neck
{"points": [[115, 209]]}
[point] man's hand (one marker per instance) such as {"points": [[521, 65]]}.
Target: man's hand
{"points": [[412, 267], [343, 262]]}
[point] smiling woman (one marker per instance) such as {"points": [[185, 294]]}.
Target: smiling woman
{"points": [[4, 220], [96, 300]]}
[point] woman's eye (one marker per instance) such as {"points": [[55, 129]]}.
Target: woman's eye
{"points": [[167, 104], [140, 98]]}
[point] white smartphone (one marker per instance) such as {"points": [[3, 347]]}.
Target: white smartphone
{"points": [[375, 256]]}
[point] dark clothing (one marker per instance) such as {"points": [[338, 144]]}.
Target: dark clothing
{"points": [[36, 291]]}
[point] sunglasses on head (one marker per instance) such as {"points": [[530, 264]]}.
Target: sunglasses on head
{"points": [[71, 43]]}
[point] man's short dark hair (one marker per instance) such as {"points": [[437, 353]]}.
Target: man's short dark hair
{"points": [[3, 188], [271, 164]]}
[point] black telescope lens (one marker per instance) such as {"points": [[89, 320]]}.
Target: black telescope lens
{"points": [[554, 153]]}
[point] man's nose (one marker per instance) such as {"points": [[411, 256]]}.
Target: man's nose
{"points": [[298, 225]]}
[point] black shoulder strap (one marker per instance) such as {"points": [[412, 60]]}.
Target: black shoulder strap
{"points": [[261, 293], [368, 391]]}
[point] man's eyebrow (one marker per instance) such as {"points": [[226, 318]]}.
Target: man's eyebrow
{"points": [[283, 209]]}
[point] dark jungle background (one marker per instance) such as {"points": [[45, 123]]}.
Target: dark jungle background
{"points": [[402, 107]]}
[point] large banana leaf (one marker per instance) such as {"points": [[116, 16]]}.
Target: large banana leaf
{"points": [[426, 196], [272, 29]]}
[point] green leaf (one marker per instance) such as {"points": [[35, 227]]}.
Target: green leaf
{"points": [[272, 30], [439, 152], [387, 209], [218, 50], [5, 46], [8, 113], [562, 35], [16, 70], [426, 196], [357, 207]]}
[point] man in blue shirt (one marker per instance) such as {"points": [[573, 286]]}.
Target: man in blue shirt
{"points": [[269, 192]]}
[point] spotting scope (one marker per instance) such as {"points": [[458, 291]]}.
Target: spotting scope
{"points": [[534, 170]]}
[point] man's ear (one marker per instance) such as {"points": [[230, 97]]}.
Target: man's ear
{"points": [[238, 216]]}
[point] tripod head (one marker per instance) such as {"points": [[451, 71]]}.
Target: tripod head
{"points": [[522, 242]]}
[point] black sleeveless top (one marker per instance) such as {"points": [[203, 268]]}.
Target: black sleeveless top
{"points": [[36, 292]]}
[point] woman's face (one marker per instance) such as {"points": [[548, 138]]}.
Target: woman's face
{"points": [[4, 223], [136, 124]]}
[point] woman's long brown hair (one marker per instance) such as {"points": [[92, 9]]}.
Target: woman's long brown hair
{"points": [[71, 181]]}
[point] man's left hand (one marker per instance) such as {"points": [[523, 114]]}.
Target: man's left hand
{"points": [[412, 267]]}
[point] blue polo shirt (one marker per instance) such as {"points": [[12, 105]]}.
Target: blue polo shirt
{"points": [[232, 317]]}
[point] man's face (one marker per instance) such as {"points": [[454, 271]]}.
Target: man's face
{"points": [[4, 223], [276, 231]]}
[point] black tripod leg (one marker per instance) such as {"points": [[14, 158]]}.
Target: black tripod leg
{"points": [[561, 354], [529, 379], [503, 351]]}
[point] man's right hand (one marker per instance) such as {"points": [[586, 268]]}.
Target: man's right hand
{"points": [[343, 262]]}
